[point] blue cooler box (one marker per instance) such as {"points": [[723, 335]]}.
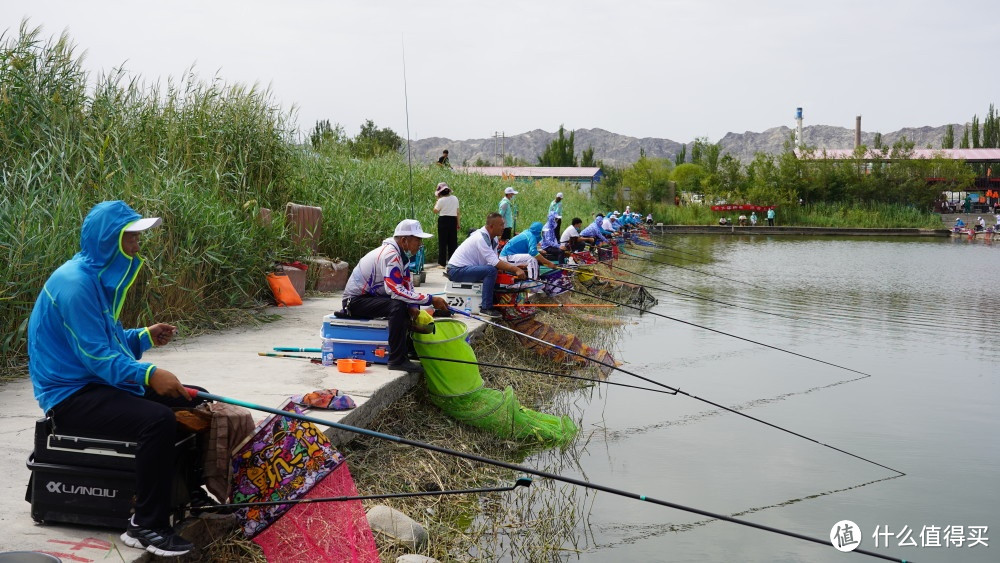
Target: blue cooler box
{"points": [[361, 339]]}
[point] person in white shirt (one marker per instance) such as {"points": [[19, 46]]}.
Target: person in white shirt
{"points": [[476, 261], [571, 237], [380, 286], [446, 209]]}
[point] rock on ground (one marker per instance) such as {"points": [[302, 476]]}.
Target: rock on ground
{"points": [[398, 526]]}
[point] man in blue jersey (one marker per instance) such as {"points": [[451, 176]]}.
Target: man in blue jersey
{"points": [[86, 370]]}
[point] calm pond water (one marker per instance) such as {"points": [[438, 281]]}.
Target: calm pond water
{"points": [[919, 315]]}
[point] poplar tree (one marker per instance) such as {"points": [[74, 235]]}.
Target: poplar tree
{"points": [[990, 129], [559, 151], [975, 131], [949, 138], [964, 144]]}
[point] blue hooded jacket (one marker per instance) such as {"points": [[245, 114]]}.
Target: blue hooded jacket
{"points": [[526, 242], [74, 335], [594, 230]]}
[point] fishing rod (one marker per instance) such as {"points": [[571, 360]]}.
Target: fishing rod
{"points": [[583, 305], [520, 482], [553, 374], [691, 294], [265, 354], [690, 269], [567, 350], [406, 104], [676, 390], [715, 330], [643, 248], [524, 469]]}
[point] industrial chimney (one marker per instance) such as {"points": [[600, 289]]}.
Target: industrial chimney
{"points": [[798, 128], [857, 132]]}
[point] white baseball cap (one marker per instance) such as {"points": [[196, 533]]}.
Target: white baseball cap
{"points": [[143, 224], [558, 195], [410, 228], [509, 190]]}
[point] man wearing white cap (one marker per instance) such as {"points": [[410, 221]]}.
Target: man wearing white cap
{"points": [[508, 211], [556, 207], [380, 286], [86, 370]]}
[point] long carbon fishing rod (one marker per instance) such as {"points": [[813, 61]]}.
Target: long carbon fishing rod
{"points": [[553, 374], [520, 482], [715, 330], [678, 290], [676, 390], [528, 470], [406, 104], [567, 350], [697, 260], [690, 269]]}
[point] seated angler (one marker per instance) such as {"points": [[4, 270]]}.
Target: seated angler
{"points": [[594, 231], [571, 238], [86, 370], [380, 286], [476, 261], [522, 251], [550, 243]]}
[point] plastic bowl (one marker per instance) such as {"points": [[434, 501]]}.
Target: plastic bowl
{"points": [[358, 366], [345, 365]]}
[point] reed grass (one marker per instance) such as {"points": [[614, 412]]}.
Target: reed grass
{"points": [[205, 156]]}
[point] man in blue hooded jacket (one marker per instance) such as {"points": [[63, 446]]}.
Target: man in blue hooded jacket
{"points": [[86, 370]]}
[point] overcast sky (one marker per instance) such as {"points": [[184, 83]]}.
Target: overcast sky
{"points": [[677, 69]]}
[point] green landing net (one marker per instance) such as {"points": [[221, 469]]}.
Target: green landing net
{"points": [[458, 390]]}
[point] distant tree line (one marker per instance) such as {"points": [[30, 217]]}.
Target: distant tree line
{"points": [[370, 142]]}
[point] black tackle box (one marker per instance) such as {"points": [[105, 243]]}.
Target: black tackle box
{"points": [[90, 480]]}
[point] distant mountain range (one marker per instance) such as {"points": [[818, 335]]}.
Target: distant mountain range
{"points": [[617, 149]]}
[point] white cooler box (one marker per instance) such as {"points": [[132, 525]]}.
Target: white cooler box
{"points": [[465, 296], [360, 339]]}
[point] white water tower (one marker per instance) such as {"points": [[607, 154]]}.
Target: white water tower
{"points": [[798, 129]]}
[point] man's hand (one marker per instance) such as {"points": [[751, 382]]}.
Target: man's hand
{"points": [[166, 383], [519, 274], [161, 333], [439, 303]]}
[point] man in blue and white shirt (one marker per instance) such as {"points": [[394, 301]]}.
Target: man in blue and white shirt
{"points": [[380, 286]]}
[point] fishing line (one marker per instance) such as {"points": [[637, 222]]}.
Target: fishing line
{"points": [[520, 482], [643, 248], [553, 374], [679, 391], [524, 469], [690, 269]]}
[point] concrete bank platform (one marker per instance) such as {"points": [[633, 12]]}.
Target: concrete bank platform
{"points": [[226, 363]]}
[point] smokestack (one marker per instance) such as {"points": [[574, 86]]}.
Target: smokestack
{"points": [[799, 143], [857, 132]]}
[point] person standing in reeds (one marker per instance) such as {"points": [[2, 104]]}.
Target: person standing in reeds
{"points": [[508, 211], [446, 208]]}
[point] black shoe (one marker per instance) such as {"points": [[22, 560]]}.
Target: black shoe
{"points": [[163, 542], [407, 366], [490, 314]]}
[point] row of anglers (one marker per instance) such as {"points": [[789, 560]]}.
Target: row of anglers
{"points": [[449, 221], [978, 227], [381, 286], [87, 371]]}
